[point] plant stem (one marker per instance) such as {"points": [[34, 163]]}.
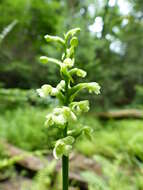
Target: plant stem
{"points": [[65, 159], [65, 167]]}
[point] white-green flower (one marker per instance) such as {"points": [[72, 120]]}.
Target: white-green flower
{"points": [[68, 62], [47, 90], [93, 87], [59, 119], [63, 147], [78, 107], [54, 92], [61, 85], [59, 149], [68, 113], [60, 116], [49, 120], [56, 117]]}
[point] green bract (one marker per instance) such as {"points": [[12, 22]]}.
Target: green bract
{"points": [[66, 92]]}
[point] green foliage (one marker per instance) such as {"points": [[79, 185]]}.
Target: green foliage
{"points": [[18, 57], [138, 101], [21, 126], [115, 145], [43, 180], [14, 98], [118, 177]]}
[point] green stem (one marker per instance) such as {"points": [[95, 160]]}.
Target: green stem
{"points": [[65, 167], [65, 159]]}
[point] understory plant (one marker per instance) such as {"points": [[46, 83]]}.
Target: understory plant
{"points": [[66, 92]]}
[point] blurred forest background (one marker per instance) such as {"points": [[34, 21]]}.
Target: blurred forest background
{"points": [[110, 50], [110, 47]]}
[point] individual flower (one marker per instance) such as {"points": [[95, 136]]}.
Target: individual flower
{"points": [[49, 120], [93, 87], [68, 113], [47, 90], [78, 107], [61, 85], [63, 147], [68, 62], [60, 116]]}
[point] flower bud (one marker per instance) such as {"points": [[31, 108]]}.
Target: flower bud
{"points": [[74, 42], [71, 32], [81, 73], [54, 39], [44, 59]]}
